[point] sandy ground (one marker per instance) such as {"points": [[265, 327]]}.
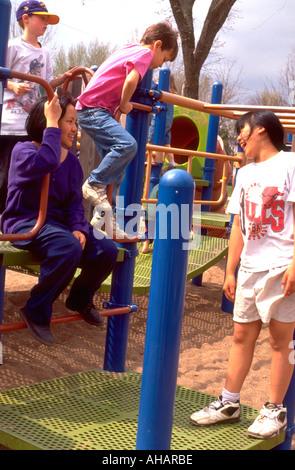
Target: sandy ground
{"points": [[206, 340]]}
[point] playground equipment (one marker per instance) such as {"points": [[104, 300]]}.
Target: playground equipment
{"points": [[172, 188]]}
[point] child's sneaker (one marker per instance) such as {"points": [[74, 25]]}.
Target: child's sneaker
{"points": [[95, 193], [271, 420], [103, 219], [217, 412]]}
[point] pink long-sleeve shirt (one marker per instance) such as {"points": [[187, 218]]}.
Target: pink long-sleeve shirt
{"points": [[105, 88]]}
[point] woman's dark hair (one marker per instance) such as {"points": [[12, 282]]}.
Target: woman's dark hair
{"points": [[36, 121], [269, 121]]}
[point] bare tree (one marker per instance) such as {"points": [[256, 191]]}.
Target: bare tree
{"points": [[270, 96], [81, 55], [287, 76], [194, 55]]}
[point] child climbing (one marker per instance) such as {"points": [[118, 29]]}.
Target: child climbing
{"points": [[110, 89]]}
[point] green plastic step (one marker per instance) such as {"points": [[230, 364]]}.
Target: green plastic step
{"points": [[98, 410]]}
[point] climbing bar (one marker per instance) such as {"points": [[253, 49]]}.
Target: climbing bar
{"points": [[284, 113], [223, 182], [142, 107], [76, 72], [189, 154], [65, 319], [190, 103], [46, 178], [290, 116], [28, 77], [246, 108], [230, 111], [138, 106], [41, 216], [215, 156]]}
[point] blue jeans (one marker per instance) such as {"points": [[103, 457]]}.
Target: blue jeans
{"points": [[114, 144], [60, 254]]}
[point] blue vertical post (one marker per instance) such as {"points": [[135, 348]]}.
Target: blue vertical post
{"points": [[209, 167], [226, 305], [2, 288], [165, 311], [213, 129], [290, 404], [123, 274], [160, 126], [164, 84], [5, 12]]}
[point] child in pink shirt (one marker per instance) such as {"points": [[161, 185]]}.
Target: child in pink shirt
{"points": [[110, 89]]}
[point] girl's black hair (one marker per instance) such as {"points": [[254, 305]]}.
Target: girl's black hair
{"points": [[269, 121], [36, 121]]}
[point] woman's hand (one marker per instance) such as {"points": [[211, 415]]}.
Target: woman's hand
{"points": [[52, 112], [81, 237]]}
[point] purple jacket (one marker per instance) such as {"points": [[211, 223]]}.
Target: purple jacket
{"points": [[29, 164]]}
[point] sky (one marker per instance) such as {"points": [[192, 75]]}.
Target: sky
{"points": [[260, 36]]}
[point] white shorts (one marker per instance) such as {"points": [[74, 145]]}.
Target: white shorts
{"points": [[259, 296]]}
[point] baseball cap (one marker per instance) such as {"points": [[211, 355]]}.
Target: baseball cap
{"points": [[35, 8]]}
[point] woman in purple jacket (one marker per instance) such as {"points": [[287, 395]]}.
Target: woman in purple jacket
{"points": [[66, 241]]}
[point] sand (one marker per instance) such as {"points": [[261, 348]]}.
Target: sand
{"points": [[206, 341]]}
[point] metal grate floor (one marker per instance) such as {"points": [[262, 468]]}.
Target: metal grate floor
{"points": [[97, 410]]}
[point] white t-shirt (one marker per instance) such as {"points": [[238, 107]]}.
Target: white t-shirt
{"points": [[263, 197], [23, 57]]}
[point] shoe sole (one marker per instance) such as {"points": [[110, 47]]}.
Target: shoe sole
{"points": [[274, 434], [224, 421], [73, 309], [38, 338], [93, 323]]}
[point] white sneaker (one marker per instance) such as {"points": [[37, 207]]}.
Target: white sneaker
{"points": [[269, 423], [217, 412], [103, 219], [95, 193]]}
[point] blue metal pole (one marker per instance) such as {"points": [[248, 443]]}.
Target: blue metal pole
{"points": [[122, 281], [209, 168], [164, 84], [290, 404], [165, 311], [226, 305], [160, 126], [213, 128], [5, 12]]}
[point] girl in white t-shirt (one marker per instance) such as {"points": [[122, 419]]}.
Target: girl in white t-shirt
{"points": [[262, 241]]}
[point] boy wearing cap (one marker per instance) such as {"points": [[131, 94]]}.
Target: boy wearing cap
{"points": [[24, 54]]}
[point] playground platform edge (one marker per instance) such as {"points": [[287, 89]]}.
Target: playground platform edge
{"points": [[98, 410]]}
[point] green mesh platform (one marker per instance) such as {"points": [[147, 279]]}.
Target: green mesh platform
{"points": [[98, 410], [210, 251], [215, 219]]}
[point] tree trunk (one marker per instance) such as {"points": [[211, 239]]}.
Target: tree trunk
{"points": [[195, 56]]}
